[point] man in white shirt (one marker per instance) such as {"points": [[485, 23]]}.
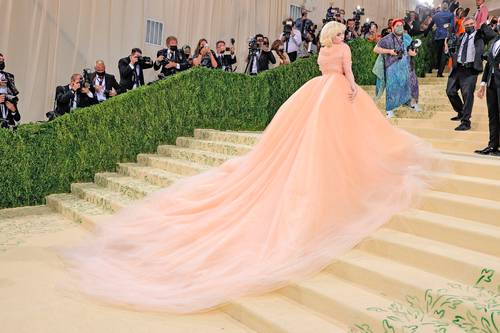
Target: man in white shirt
{"points": [[490, 83], [105, 84], [291, 38]]}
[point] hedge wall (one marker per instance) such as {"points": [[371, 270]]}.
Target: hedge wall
{"points": [[43, 158]]}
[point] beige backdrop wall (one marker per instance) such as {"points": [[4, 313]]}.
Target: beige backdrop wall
{"points": [[47, 40]]}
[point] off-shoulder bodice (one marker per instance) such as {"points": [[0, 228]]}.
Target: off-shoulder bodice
{"points": [[332, 59]]}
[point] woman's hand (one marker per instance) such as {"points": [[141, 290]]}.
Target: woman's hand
{"points": [[353, 93]]}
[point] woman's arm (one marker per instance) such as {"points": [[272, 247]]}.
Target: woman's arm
{"points": [[347, 66]]}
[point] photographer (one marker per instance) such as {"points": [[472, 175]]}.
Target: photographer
{"points": [[131, 69], [303, 24], [259, 56], [71, 96], [9, 113], [387, 30], [351, 32], [372, 34], [225, 56], [279, 54], [412, 24], [394, 69], [204, 56], [186, 50], [291, 38], [105, 85], [171, 60], [467, 63]]}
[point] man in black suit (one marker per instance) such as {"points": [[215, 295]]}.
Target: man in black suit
{"points": [[131, 70], [264, 56], [105, 84], [171, 60], [467, 64], [224, 61], [9, 112], [71, 96], [490, 83]]}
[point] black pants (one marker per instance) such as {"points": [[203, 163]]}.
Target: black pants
{"points": [[440, 56], [292, 56], [493, 100], [463, 79]]}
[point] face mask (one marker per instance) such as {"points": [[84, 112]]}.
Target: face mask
{"points": [[173, 48], [469, 30], [2, 65], [100, 74], [399, 30]]}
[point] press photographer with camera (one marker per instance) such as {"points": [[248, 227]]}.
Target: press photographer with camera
{"points": [[9, 112], [303, 24], [204, 56], [225, 56], [372, 34], [351, 32], [412, 23], [259, 55], [186, 50], [132, 69], [69, 97], [395, 71], [467, 63], [105, 84], [171, 60], [291, 38]]}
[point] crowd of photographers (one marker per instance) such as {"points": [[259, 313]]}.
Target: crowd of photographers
{"points": [[299, 38]]}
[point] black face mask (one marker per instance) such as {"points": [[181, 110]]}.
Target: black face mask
{"points": [[100, 74], [2, 65], [173, 48], [469, 30]]}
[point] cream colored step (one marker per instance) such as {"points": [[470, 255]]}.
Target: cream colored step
{"points": [[193, 155], [453, 262], [274, 313], [474, 165], [219, 147], [457, 145], [392, 280], [468, 186], [77, 209], [468, 234], [440, 124], [466, 207], [478, 114], [244, 138], [172, 165], [151, 175], [437, 133], [101, 196], [8, 213], [129, 186]]}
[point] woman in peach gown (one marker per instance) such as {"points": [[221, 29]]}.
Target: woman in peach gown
{"points": [[327, 171]]}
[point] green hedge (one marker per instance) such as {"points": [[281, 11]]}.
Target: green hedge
{"points": [[43, 158]]}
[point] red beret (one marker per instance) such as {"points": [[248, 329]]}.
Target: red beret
{"points": [[397, 21]]}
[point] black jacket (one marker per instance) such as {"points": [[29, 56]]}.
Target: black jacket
{"points": [[128, 75], [65, 97], [262, 61], [482, 37], [109, 82], [175, 56], [225, 61], [492, 68]]}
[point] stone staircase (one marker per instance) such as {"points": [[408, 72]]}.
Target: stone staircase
{"points": [[429, 269]]}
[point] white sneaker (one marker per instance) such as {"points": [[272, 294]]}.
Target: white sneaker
{"points": [[390, 114], [416, 108]]}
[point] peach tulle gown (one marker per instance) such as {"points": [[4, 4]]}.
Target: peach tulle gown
{"points": [[326, 172]]}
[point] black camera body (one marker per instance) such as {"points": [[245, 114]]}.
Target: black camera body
{"points": [[287, 30], [86, 80], [356, 15], [144, 60], [253, 46]]}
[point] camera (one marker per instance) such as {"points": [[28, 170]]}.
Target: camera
{"points": [[144, 60], [356, 15], [287, 29], [86, 80], [253, 45], [414, 45], [332, 14]]}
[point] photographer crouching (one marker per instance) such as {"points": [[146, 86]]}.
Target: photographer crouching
{"points": [[394, 69], [9, 113], [171, 60], [132, 69], [77, 94], [259, 55]]}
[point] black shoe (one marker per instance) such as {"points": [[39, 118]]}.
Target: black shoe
{"points": [[463, 127], [495, 153], [456, 118], [487, 151]]}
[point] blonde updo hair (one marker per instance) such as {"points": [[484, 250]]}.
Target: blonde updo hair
{"points": [[329, 31]]}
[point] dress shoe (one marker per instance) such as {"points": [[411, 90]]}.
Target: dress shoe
{"points": [[487, 151], [463, 127], [495, 153], [456, 118]]}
